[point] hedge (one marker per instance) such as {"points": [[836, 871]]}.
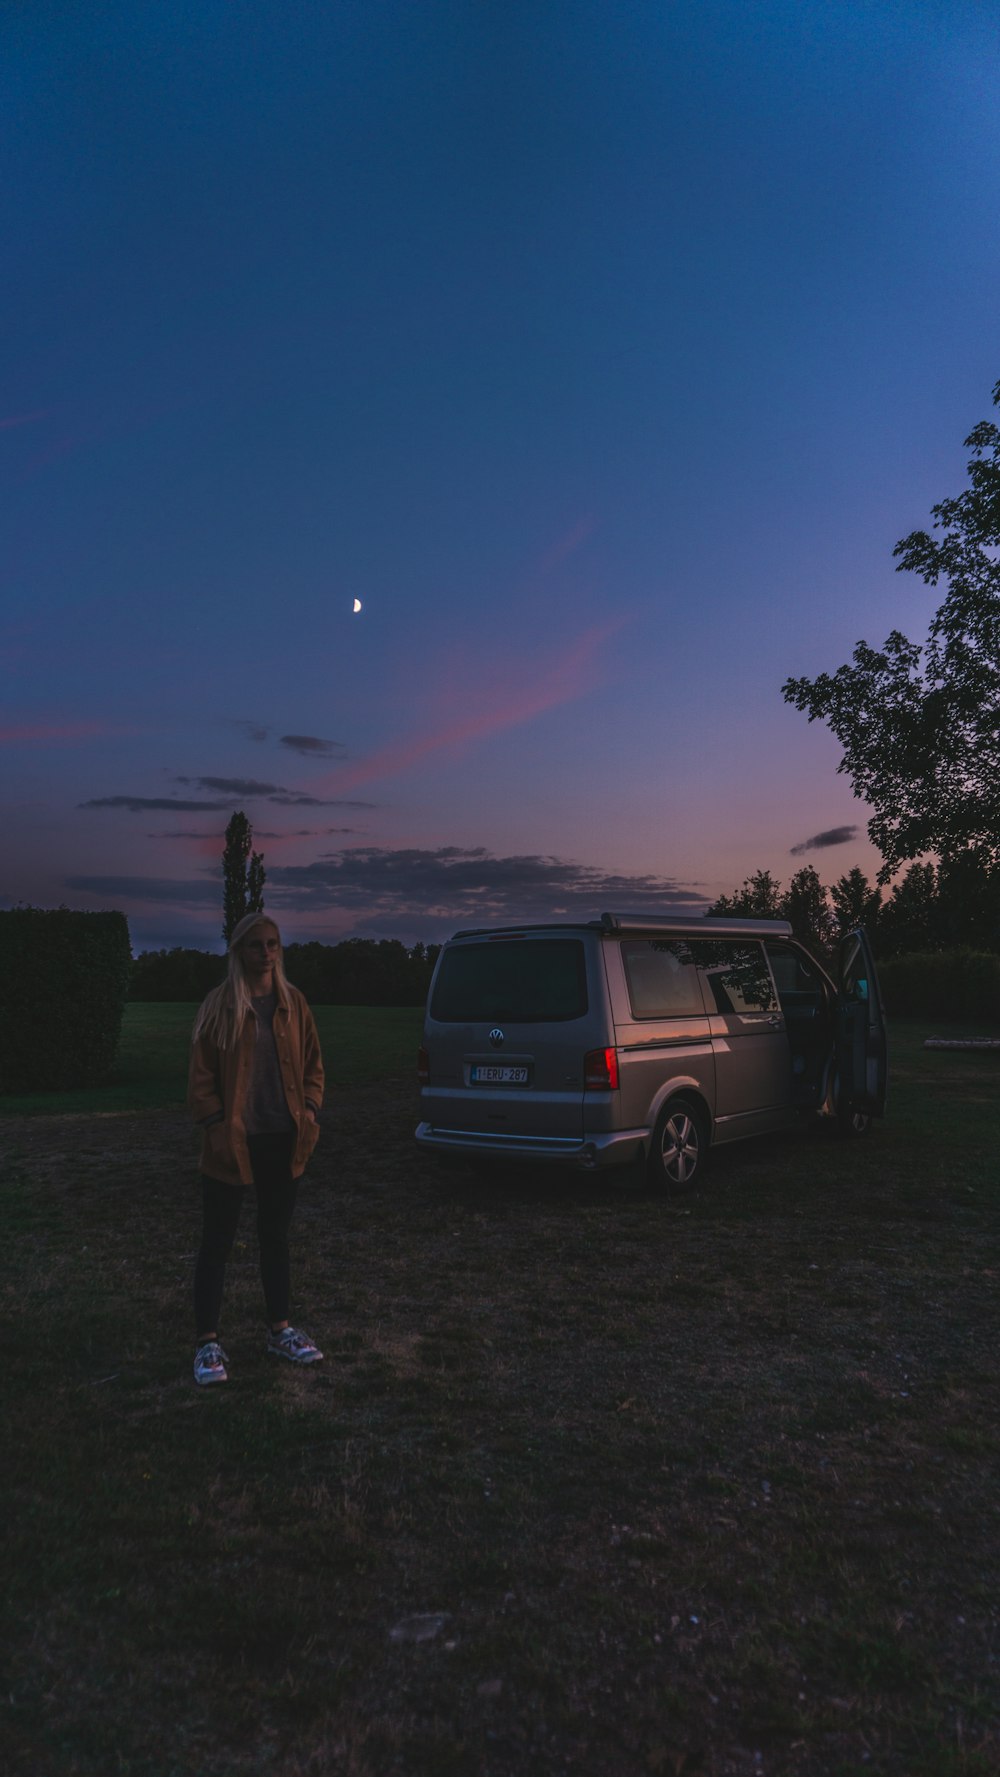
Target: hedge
{"points": [[64, 980], [958, 983]]}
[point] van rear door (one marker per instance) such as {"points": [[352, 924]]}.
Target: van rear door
{"points": [[862, 1049], [509, 1020]]}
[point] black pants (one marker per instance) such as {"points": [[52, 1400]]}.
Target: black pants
{"points": [[270, 1162]]}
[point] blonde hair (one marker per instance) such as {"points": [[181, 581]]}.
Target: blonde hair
{"points": [[224, 1011]]}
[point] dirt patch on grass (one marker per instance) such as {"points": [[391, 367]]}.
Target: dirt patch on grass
{"points": [[589, 1482]]}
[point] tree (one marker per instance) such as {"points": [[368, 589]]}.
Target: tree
{"points": [[920, 724], [806, 906], [968, 911], [759, 898], [255, 882], [910, 918], [855, 901], [243, 886]]}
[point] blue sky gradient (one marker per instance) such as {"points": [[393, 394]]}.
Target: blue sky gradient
{"points": [[603, 352]]}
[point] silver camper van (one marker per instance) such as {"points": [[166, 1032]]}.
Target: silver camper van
{"points": [[633, 1039]]}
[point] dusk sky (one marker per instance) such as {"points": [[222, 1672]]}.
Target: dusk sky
{"points": [[602, 351]]}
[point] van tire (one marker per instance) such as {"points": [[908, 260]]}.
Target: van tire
{"points": [[678, 1151]]}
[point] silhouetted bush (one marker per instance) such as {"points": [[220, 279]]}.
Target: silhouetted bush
{"points": [[64, 980], [956, 983]]}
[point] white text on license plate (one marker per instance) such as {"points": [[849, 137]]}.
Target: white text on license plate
{"points": [[493, 1074]]}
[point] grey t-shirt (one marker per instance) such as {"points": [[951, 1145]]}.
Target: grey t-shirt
{"points": [[266, 1110]]}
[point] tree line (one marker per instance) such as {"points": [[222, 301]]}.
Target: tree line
{"points": [[934, 907], [356, 972]]}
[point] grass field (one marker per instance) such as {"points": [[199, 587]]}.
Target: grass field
{"points": [[361, 1044], [590, 1482]]}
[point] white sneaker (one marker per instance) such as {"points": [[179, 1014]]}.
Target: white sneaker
{"points": [[210, 1364], [295, 1346]]}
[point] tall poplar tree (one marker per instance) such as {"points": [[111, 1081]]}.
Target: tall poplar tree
{"points": [[242, 875]]}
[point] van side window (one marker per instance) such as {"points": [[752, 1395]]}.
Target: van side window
{"points": [[800, 987], [662, 979], [734, 974]]}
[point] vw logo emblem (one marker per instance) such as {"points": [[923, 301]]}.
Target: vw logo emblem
{"points": [[496, 1038]]}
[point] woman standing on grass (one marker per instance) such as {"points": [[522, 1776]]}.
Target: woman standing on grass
{"points": [[255, 1087]]}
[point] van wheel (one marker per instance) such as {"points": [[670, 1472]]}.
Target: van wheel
{"points": [[679, 1148]]}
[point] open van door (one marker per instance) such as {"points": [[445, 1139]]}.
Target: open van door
{"points": [[862, 1059]]}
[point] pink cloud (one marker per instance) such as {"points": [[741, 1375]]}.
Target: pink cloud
{"points": [[23, 419], [45, 732], [60, 447], [204, 845], [209, 845], [497, 706], [91, 430], [563, 547]]}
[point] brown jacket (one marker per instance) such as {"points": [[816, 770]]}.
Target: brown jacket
{"points": [[218, 1081]]}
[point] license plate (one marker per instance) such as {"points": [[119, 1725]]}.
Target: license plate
{"points": [[497, 1074]]}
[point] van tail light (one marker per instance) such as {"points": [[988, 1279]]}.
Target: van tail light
{"points": [[600, 1070], [423, 1068]]}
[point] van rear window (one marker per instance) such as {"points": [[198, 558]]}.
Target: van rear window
{"points": [[522, 980]]}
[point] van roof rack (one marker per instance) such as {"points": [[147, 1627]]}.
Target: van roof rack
{"points": [[704, 925], [715, 925]]}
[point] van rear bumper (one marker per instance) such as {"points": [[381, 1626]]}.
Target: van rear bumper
{"points": [[592, 1154]]}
